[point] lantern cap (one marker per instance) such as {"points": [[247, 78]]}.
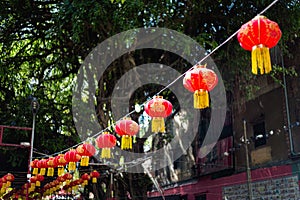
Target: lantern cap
{"points": [[259, 17], [198, 65]]}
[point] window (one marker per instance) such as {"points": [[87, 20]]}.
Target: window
{"points": [[200, 197], [259, 133]]}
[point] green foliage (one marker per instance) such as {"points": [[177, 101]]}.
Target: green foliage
{"points": [[43, 44], [279, 71]]}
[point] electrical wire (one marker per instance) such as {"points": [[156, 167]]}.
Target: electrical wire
{"points": [[170, 84]]}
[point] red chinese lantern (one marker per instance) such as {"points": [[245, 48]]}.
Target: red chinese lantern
{"points": [[68, 177], [42, 165], [85, 150], [39, 179], [33, 181], [26, 188], [60, 162], [3, 182], [200, 81], [127, 128], [72, 157], [85, 177], [33, 165], [158, 108], [106, 141], [258, 36], [51, 164], [9, 178], [94, 174], [61, 179]]}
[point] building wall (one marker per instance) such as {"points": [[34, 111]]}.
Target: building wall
{"points": [[268, 108], [214, 188]]}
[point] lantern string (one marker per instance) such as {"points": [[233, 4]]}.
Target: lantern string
{"points": [[267, 8], [170, 84], [213, 51]]}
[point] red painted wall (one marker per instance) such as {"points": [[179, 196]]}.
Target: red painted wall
{"points": [[213, 188]]}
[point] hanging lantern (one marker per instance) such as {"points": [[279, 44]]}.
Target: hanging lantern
{"points": [[106, 141], [60, 162], [94, 174], [68, 178], [126, 128], [158, 108], [85, 150], [26, 188], [3, 188], [258, 36], [72, 157], [61, 179], [200, 81], [50, 165], [42, 165], [85, 177], [33, 165], [9, 178], [39, 179], [33, 181]]}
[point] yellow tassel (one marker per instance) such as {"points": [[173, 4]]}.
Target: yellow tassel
{"points": [[35, 171], [105, 153], [201, 99], [32, 187], [94, 180], [87, 160], [85, 182], [38, 183], [8, 184], [158, 125], [50, 171], [126, 142], [72, 166], [43, 171], [260, 58], [60, 171]]}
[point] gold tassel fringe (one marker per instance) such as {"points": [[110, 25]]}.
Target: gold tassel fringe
{"points": [[126, 142], [38, 183], [158, 125], [94, 180], [105, 153], [71, 166], [43, 171], [261, 60], [201, 99], [35, 171], [60, 171], [84, 161], [50, 171]]}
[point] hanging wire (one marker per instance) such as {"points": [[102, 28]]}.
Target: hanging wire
{"points": [[170, 84]]}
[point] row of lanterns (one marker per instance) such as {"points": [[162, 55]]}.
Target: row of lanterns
{"points": [[258, 36], [5, 182], [64, 182]]}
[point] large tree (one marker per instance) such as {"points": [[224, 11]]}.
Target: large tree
{"points": [[43, 44]]}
